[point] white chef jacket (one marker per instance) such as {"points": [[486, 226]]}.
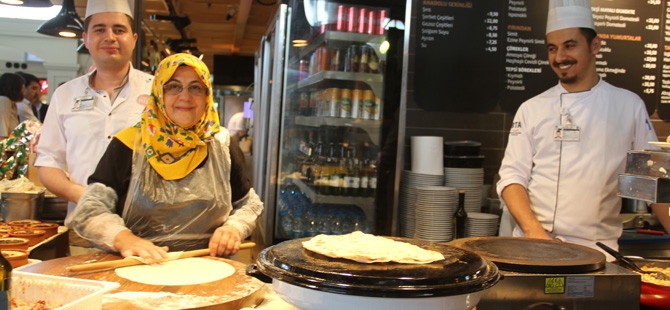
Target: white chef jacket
{"points": [[25, 110], [76, 139], [573, 185]]}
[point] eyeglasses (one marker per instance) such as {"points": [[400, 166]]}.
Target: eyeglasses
{"points": [[175, 88]]}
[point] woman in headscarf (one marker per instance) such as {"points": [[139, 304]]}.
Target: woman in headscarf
{"points": [[175, 180]]}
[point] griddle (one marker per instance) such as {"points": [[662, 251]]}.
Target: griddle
{"points": [[461, 272], [528, 255]]}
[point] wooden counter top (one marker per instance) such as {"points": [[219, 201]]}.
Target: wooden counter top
{"points": [[236, 291]]}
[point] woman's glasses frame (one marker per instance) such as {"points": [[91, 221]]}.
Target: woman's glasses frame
{"points": [[175, 88]]}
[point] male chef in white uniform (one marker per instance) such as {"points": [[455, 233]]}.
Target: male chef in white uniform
{"points": [[567, 146], [86, 112]]}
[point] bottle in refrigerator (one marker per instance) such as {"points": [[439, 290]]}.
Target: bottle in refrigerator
{"points": [[313, 102], [371, 22], [303, 103], [352, 177], [324, 58], [374, 64], [361, 20], [336, 60], [382, 16], [352, 13], [379, 105], [340, 22]]}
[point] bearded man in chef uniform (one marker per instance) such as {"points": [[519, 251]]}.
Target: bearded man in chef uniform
{"points": [[86, 112], [567, 146]]}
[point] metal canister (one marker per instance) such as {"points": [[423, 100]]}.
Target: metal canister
{"points": [[334, 102], [345, 103], [356, 99], [368, 104]]}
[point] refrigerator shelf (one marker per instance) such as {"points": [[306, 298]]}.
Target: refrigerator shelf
{"points": [[372, 127], [374, 80], [367, 204], [346, 38]]}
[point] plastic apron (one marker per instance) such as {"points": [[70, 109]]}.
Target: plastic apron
{"points": [[181, 214]]}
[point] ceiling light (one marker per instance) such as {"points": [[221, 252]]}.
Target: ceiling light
{"points": [[12, 2], [66, 24]]}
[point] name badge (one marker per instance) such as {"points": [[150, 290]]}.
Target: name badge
{"points": [[567, 132], [83, 103]]}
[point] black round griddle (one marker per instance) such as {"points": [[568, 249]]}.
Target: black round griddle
{"points": [[461, 272], [534, 255]]}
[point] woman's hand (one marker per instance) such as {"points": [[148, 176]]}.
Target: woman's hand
{"points": [[128, 245], [225, 241]]}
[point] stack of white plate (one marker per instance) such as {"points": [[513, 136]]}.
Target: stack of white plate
{"points": [[408, 182], [481, 225], [435, 207], [470, 180]]}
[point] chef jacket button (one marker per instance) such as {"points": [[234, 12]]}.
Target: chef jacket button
{"points": [[110, 114]]}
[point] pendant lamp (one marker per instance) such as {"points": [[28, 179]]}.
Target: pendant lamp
{"points": [[66, 24]]}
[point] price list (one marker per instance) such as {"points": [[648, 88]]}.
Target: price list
{"points": [[527, 71], [664, 70], [457, 59], [629, 56], [476, 55]]}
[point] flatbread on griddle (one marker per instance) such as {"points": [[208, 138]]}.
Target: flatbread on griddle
{"points": [[366, 248]]}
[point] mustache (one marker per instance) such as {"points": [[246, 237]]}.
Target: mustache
{"points": [[567, 62]]}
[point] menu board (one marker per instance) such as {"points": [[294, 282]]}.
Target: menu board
{"points": [[472, 56]]}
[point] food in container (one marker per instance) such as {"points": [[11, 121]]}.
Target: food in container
{"points": [[17, 258], [22, 223], [34, 236], [11, 243], [50, 228]]}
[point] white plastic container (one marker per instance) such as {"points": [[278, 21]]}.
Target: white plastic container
{"points": [[72, 293]]}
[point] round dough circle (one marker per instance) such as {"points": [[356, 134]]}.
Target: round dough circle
{"points": [[185, 271]]}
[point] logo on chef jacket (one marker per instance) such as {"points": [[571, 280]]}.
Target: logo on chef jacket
{"points": [[143, 100], [516, 128]]}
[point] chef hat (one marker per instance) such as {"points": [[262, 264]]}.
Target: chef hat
{"points": [[569, 14], [108, 6]]}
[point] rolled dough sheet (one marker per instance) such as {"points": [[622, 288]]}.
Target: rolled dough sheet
{"points": [[187, 271]]}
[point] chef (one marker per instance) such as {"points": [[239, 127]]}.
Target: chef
{"points": [[86, 112], [568, 145]]}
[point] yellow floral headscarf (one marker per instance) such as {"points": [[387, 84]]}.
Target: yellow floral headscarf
{"points": [[171, 150]]}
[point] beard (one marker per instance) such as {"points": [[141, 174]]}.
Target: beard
{"points": [[564, 77]]}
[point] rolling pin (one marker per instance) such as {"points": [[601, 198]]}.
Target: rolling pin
{"points": [[133, 262]]}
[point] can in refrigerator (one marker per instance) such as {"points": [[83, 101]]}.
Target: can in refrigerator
{"points": [[323, 58], [340, 22], [364, 58], [379, 105], [313, 102], [324, 102], [361, 21], [356, 99], [336, 59], [303, 70], [345, 103], [351, 59], [352, 13], [371, 22], [334, 102], [382, 16], [304, 103], [368, 104]]}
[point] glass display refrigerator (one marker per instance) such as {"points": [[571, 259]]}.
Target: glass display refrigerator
{"points": [[328, 77]]}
